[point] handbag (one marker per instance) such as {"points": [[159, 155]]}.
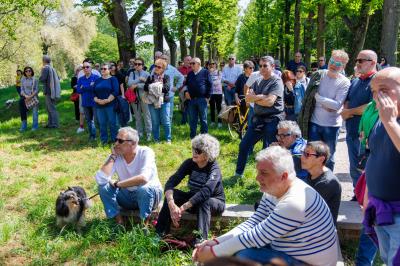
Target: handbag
{"points": [[74, 97], [32, 102], [130, 96]]}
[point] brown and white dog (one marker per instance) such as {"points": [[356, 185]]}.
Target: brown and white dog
{"points": [[71, 206]]}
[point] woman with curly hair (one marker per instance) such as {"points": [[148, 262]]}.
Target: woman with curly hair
{"points": [[206, 194]]}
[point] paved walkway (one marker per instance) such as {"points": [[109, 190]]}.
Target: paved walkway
{"points": [[342, 167]]}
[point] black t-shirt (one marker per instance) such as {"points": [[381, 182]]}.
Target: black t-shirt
{"points": [[328, 186], [271, 86], [239, 84], [121, 80], [289, 97]]}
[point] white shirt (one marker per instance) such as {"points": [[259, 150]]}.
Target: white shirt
{"points": [[231, 74], [143, 164]]}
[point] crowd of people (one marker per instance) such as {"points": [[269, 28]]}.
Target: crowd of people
{"points": [[296, 113]]}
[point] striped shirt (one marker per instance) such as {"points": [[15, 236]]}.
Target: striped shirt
{"points": [[298, 224]]}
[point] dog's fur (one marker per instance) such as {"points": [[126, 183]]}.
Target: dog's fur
{"points": [[9, 103], [70, 207]]}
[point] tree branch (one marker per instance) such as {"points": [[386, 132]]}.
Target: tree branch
{"points": [[137, 16]]}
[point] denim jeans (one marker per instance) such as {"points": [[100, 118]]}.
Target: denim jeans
{"points": [[266, 254], [89, 116], [250, 115], [366, 250], [229, 95], [353, 148], [160, 115], [143, 198], [389, 241], [329, 135], [107, 119], [252, 136], [24, 114], [198, 109]]}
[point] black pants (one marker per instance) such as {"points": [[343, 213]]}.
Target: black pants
{"points": [[76, 109], [22, 108], [215, 102], [204, 210]]}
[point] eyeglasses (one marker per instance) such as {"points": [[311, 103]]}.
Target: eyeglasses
{"points": [[138, 64], [157, 66], [279, 136], [336, 63], [85, 67], [104, 68], [308, 155], [264, 66], [120, 141], [197, 150], [361, 60]]}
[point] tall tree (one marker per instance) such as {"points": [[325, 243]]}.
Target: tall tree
{"points": [[287, 30], [321, 30], [158, 25], [308, 34], [297, 24], [181, 28], [390, 29]]}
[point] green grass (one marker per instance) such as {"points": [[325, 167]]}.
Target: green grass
{"points": [[36, 166]]}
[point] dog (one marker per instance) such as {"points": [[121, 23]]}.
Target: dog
{"points": [[9, 103], [71, 206]]}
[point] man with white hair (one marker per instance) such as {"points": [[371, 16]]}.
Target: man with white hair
{"points": [[138, 186], [319, 118], [292, 222], [383, 166]]}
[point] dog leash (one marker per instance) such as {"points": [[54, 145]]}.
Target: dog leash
{"points": [[92, 196]]}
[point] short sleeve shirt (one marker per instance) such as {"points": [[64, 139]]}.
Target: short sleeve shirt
{"points": [[271, 86]]}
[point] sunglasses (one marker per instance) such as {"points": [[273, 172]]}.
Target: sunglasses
{"points": [[321, 60], [28, 70], [308, 155], [336, 63], [159, 67], [301, 71], [250, 67], [104, 68], [197, 150], [361, 60], [138, 64], [264, 66], [192, 63], [281, 136], [86, 67], [231, 58], [120, 141]]}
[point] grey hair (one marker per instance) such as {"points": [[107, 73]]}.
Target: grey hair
{"points": [[207, 144], [292, 127], [132, 133], [269, 59], [280, 158], [46, 59]]}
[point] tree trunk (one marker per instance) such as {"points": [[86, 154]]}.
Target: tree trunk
{"points": [[287, 31], [158, 25], [193, 39], [390, 28], [181, 29], [297, 24], [282, 57], [321, 31], [171, 43], [308, 35], [199, 44]]}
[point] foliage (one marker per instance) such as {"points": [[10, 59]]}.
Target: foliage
{"points": [[103, 48]]}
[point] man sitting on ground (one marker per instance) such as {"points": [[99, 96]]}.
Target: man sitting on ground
{"points": [[138, 186], [321, 178], [292, 223]]}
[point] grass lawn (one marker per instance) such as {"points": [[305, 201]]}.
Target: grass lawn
{"points": [[36, 166]]}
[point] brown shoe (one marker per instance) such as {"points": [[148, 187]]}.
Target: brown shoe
{"points": [[119, 219]]}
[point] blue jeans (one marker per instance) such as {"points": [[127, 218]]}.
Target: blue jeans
{"points": [[366, 250], [143, 198], [250, 115], [389, 241], [252, 136], [329, 135], [198, 109], [266, 254], [89, 116], [160, 115], [229, 95], [353, 148], [107, 119]]}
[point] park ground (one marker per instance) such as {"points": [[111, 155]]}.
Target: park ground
{"points": [[36, 166]]}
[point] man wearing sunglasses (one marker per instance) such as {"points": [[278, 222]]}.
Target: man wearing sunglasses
{"points": [[321, 178], [319, 118], [230, 73], [138, 186]]}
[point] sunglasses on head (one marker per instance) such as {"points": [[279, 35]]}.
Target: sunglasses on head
{"points": [[85, 67], [120, 141], [197, 150], [362, 60], [336, 63]]}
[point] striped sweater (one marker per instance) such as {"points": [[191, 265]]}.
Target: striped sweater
{"points": [[299, 224]]}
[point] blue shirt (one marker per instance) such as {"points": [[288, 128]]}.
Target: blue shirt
{"points": [[85, 88], [359, 94], [199, 85], [104, 87], [383, 165], [296, 150]]}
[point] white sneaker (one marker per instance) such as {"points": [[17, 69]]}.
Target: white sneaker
{"points": [[149, 137], [169, 142], [80, 130], [219, 125]]}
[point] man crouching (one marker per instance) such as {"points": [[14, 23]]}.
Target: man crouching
{"points": [[138, 186], [292, 222]]}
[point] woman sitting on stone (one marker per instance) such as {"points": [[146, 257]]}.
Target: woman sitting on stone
{"points": [[206, 194]]}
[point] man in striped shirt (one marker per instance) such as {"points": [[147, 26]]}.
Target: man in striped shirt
{"points": [[292, 223]]}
